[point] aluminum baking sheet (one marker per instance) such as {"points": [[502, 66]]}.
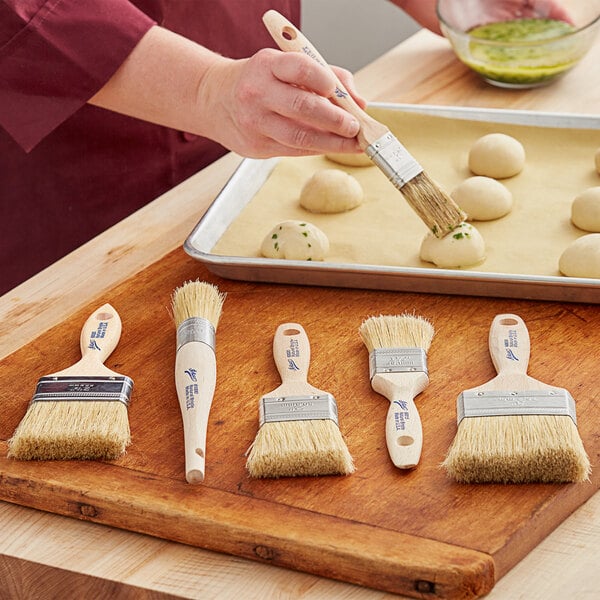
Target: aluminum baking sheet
{"points": [[250, 176]]}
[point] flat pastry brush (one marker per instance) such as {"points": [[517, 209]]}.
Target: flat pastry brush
{"points": [[81, 411], [398, 346], [514, 428], [433, 206], [197, 309], [298, 433]]}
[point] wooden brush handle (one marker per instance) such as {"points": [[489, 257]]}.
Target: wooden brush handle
{"points": [[195, 380], [99, 337], [509, 344], [290, 39], [403, 428], [291, 352]]}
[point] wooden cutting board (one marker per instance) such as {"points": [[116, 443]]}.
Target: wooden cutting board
{"points": [[415, 533]]}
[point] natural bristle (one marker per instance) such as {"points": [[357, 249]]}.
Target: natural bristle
{"points": [[396, 331], [299, 448], [434, 206], [517, 449], [197, 299], [86, 430]]}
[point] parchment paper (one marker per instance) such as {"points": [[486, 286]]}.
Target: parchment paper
{"points": [[385, 231]]}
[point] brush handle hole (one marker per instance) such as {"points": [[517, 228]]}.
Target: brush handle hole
{"points": [[291, 331], [104, 316], [508, 321], [288, 34], [405, 440]]}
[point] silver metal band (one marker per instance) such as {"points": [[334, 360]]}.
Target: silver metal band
{"points": [[397, 360], [274, 409], [393, 159], [85, 389], [556, 401], [196, 329]]}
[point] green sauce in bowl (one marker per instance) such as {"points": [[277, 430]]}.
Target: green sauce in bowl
{"points": [[522, 52]]}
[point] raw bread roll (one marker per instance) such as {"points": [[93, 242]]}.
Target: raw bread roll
{"points": [[331, 191], [597, 160], [581, 258], [497, 155], [295, 240], [482, 198], [350, 160], [585, 210], [463, 247]]}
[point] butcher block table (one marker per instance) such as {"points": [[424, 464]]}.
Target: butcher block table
{"points": [[316, 538]]}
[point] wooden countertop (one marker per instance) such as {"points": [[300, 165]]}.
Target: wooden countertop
{"points": [[42, 554]]}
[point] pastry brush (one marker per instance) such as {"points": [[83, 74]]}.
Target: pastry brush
{"points": [[433, 206]]}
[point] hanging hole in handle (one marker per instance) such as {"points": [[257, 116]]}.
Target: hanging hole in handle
{"points": [[288, 33], [508, 321], [104, 316], [290, 332], [405, 440]]}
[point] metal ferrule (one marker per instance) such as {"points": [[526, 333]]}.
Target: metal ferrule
{"points": [[393, 159], [557, 402], [275, 409], [196, 329], [397, 360], [83, 389]]}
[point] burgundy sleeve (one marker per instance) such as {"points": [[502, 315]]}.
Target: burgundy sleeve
{"points": [[55, 55]]}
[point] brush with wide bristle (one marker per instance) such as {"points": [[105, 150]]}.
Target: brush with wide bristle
{"points": [[434, 207], [197, 307], [515, 429], [398, 346], [299, 433], [79, 412]]}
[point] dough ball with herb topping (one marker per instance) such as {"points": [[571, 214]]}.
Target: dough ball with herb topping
{"points": [[482, 198], [585, 210], [295, 240], [350, 160], [497, 155], [463, 247], [331, 191], [581, 258]]}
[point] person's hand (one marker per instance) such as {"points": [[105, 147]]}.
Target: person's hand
{"points": [[274, 104]]}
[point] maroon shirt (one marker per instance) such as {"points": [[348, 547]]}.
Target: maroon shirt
{"points": [[69, 170]]}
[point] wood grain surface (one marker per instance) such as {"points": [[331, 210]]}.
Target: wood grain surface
{"points": [[355, 528]]}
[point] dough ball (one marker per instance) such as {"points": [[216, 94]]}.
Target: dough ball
{"points": [[597, 160], [497, 155], [295, 240], [585, 210], [463, 247], [482, 198], [350, 160], [331, 191], [581, 258]]}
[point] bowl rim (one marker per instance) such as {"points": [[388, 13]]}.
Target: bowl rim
{"points": [[483, 41]]}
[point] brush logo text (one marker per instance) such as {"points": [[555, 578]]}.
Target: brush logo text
{"points": [[191, 391], [293, 352], [100, 330], [94, 346]]}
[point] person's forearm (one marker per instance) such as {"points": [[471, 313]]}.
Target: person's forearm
{"points": [[159, 81], [422, 11]]}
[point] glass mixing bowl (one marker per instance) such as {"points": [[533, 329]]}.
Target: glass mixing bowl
{"points": [[519, 43]]}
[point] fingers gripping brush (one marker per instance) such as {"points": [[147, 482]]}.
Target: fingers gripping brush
{"points": [[433, 206], [514, 428], [81, 411], [398, 348], [298, 432], [197, 309]]}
